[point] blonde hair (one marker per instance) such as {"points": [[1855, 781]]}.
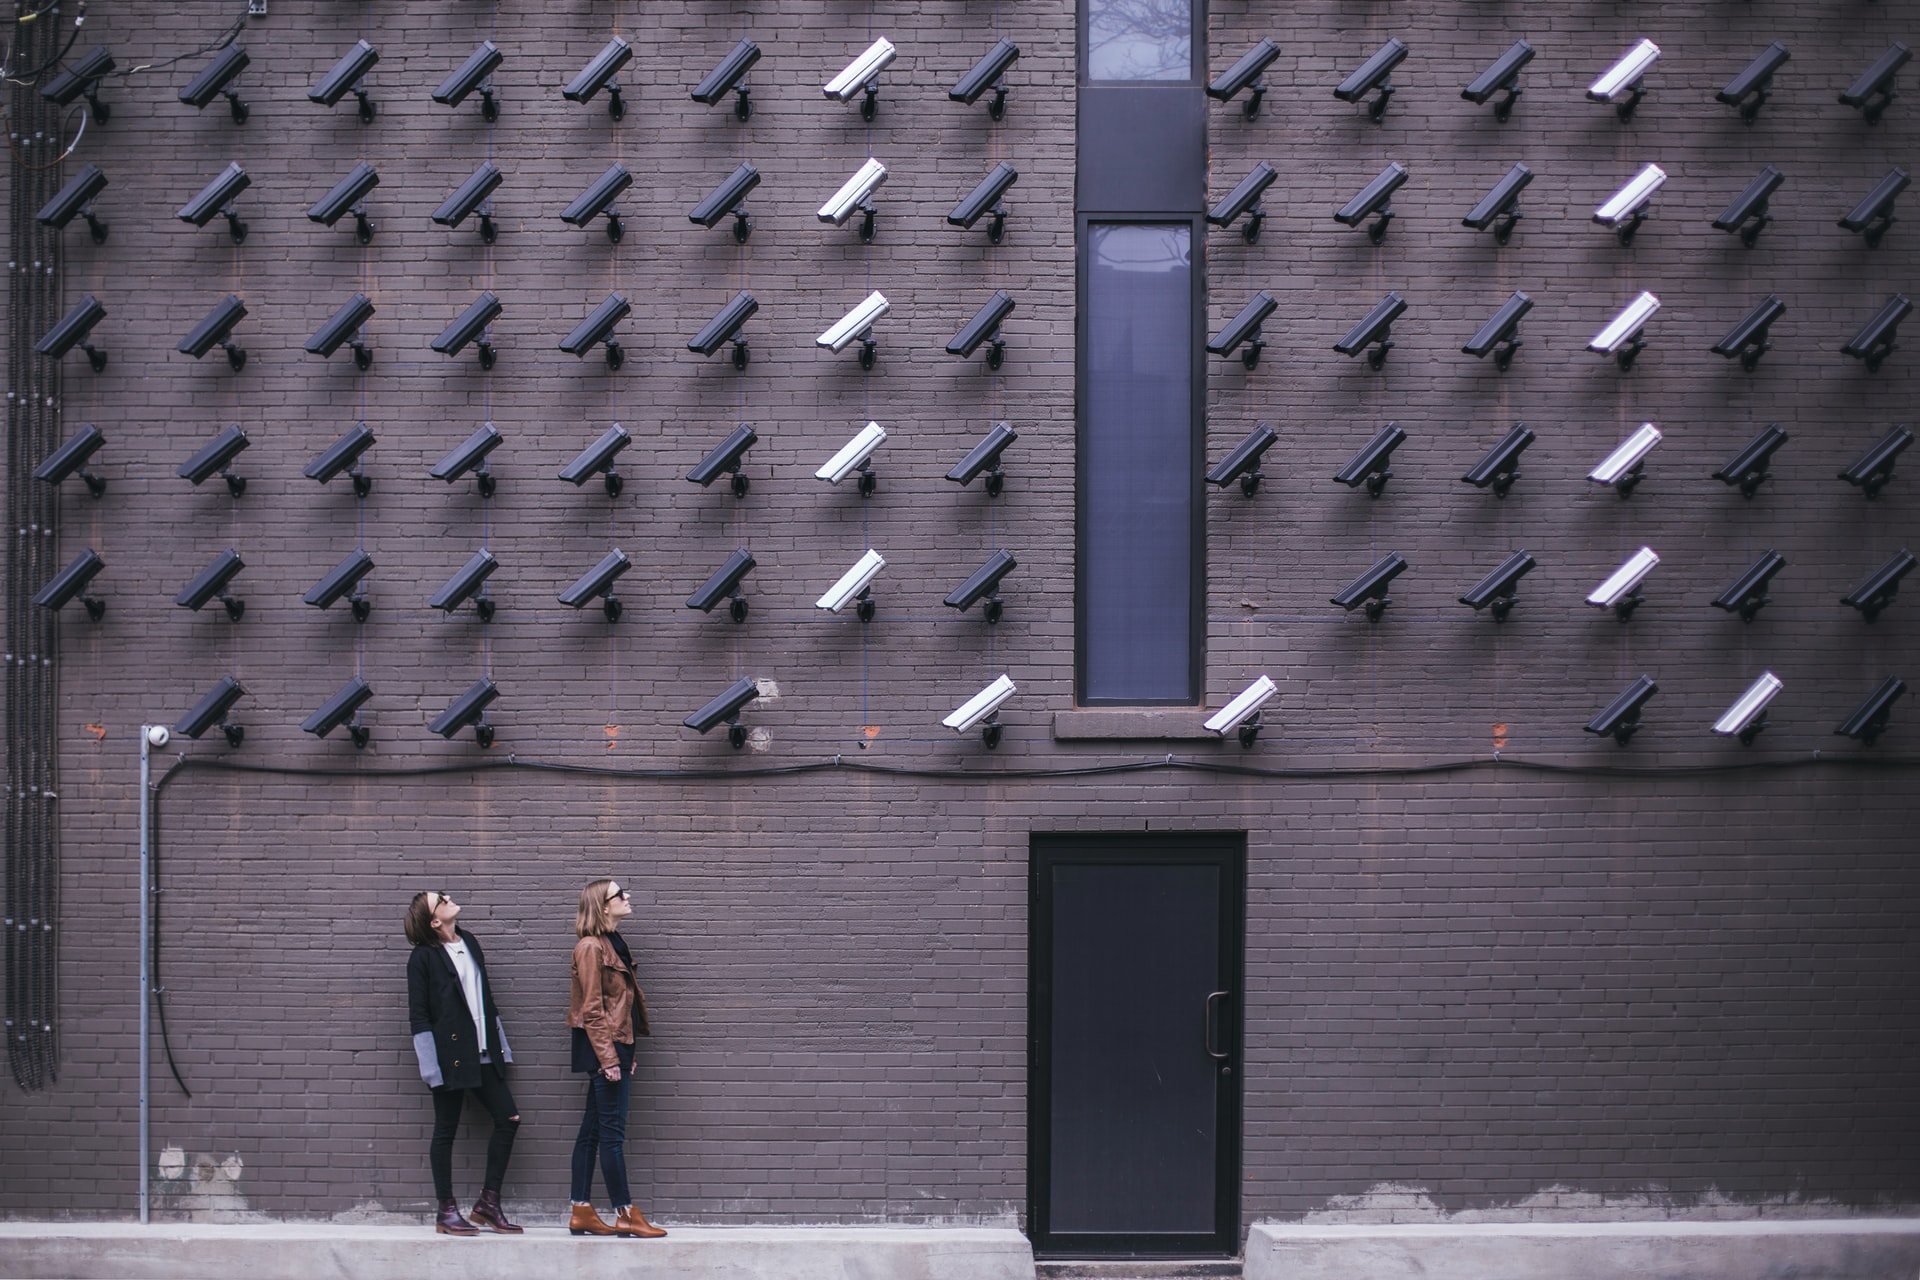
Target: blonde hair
{"points": [[592, 918]]}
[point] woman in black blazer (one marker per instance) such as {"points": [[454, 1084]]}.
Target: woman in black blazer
{"points": [[460, 1044]]}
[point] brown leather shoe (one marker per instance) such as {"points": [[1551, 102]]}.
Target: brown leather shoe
{"points": [[632, 1223], [450, 1223], [488, 1213], [586, 1221]]}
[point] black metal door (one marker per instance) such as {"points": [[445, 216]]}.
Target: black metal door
{"points": [[1134, 1124]]}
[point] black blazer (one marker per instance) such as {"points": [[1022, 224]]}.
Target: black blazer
{"points": [[444, 1037]]}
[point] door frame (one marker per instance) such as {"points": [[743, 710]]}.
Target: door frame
{"points": [[1228, 851]]}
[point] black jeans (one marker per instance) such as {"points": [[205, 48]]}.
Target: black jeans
{"points": [[603, 1128], [447, 1106]]}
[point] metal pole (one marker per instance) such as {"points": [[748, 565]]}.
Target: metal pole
{"points": [[146, 952]]}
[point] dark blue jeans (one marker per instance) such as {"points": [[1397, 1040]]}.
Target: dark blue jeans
{"points": [[603, 1128]]}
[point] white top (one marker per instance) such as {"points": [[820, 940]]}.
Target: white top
{"points": [[469, 985]]}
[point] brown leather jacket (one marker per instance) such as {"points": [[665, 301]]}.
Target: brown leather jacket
{"points": [[603, 999]]}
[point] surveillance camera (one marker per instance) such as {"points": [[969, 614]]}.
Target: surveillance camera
{"points": [[1245, 74], [1869, 719], [597, 584], [71, 583], [468, 197], [1370, 588], [1499, 331], [1620, 590], [1875, 341], [75, 199], [1373, 75], [726, 78], [1621, 718], [469, 454], [853, 195], [597, 199], [1626, 209], [1498, 589], [470, 324], [855, 324], [1753, 86], [159, 735], [1373, 200], [1621, 83], [1244, 199], [854, 583], [1749, 467], [987, 196], [340, 455], [471, 75], [1375, 330], [728, 198], [853, 455], [1502, 77], [73, 331], [981, 710], [860, 74], [725, 459], [212, 711], [725, 709], [1502, 202], [71, 459], [1369, 466], [467, 580], [1874, 89], [725, 327], [985, 456], [1621, 469], [470, 708], [82, 79], [216, 329], [598, 328], [340, 580], [346, 75], [1242, 713], [1501, 465], [213, 81], [1243, 463], [725, 585], [1748, 594], [1748, 714], [1621, 337], [212, 581], [1750, 206], [1877, 592], [1748, 339], [984, 327], [1872, 469], [599, 457], [216, 458], [983, 584], [989, 72], [344, 327], [1244, 330], [339, 709], [1874, 214], [598, 74]]}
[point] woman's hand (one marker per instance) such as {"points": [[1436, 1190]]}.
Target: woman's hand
{"points": [[612, 1073]]}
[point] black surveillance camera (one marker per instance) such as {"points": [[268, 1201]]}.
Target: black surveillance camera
{"points": [[1748, 339], [348, 195], [1877, 592], [1749, 90], [344, 328], [597, 199], [1869, 719], [1374, 330], [1373, 201], [985, 456], [71, 459], [984, 327], [1499, 332], [470, 708], [1370, 588], [71, 583], [1874, 89], [215, 80], [1621, 718], [989, 72], [212, 582], [1244, 199], [1874, 214], [346, 75], [725, 709], [1748, 594], [343, 577], [725, 327], [216, 199], [467, 580], [75, 199], [725, 459], [725, 585], [73, 331], [82, 79], [468, 197], [1501, 465], [1373, 75], [727, 77], [211, 711], [1875, 341], [598, 328], [1245, 74], [1243, 463], [469, 325], [1244, 330], [1502, 77], [984, 584], [1498, 590], [216, 458], [597, 584], [1749, 468], [340, 455], [729, 198], [470, 75], [339, 709], [598, 459], [216, 329], [1369, 466], [987, 196], [598, 74], [1502, 203], [1748, 214], [470, 454], [1872, 470]]}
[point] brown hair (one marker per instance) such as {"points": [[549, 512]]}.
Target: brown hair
{"points": [[418, 922], [592, 918]]}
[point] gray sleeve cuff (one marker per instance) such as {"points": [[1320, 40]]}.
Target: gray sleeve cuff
{"points": [[429, 1059], [506, 1050]]}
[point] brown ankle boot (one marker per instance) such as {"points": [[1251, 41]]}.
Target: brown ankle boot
{"points": [[586, 1221], [488, 1213], [632, 1223], [450, 1223]]}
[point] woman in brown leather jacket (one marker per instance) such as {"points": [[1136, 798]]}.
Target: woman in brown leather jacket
{"points": [[606, 1012]]}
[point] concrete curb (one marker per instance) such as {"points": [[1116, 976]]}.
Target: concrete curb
{"points": [[1820, 1249], [323, 1251]]}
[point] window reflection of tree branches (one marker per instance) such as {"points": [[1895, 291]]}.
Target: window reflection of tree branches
{"points": [[1139, 39]]}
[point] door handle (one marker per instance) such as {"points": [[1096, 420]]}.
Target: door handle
{"points": [[1212, 1026]]}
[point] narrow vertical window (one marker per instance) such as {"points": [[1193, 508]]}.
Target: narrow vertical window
{"points": [[1139, 40]]}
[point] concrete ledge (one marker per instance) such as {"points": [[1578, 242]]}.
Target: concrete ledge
{"points": [[322, 1251], [1122, 724], [1819, 1249]]}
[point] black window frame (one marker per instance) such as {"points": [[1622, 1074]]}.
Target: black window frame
{"points": [[1196, 48]]}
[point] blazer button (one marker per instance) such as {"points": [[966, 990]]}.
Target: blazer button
{"points": [[456, 1062]]}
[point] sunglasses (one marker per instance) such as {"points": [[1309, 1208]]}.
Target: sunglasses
{"points": [[434, 899], [616, 892]]}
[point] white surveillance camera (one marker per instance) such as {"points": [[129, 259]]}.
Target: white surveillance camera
{"points": [[1747, 716], [852, 582], [853, 455], [860, 72], [855, 322], [976, 710], [1620, 79], [159, 735], [1619, 467], [1241, 712], [1622, 583], [1624, 329], [1629, 202], [853, 193]]}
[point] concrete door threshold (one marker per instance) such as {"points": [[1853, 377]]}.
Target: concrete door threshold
{"points": [[326, 1251]]}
